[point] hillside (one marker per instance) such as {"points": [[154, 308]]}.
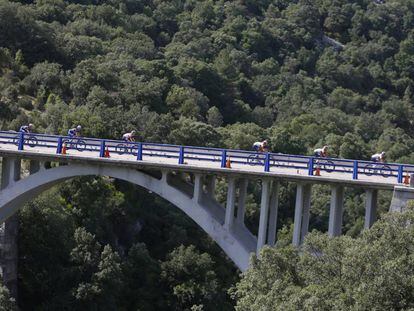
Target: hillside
{"points": [[197, 72]]}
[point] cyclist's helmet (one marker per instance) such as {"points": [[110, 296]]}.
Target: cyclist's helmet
{"points": [[265, 142], [31, 126], [132, 132], [383, 154], [324, 148], [78, 128]]}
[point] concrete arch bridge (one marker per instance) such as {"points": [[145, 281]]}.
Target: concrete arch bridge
{"points": [[161, 168]]}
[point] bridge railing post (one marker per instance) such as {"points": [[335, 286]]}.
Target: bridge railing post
{"points": [[181, 155], [102, 150], [355, 170], [59, 145], [400, 173], [267, 163], [311, 165], [223, 158], [21, 141], [139, 154]]}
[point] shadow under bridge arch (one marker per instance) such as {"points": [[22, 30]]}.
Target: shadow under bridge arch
{"points": [[238, 243]]}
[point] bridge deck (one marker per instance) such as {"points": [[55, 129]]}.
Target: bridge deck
{"points": [[163, 161]]}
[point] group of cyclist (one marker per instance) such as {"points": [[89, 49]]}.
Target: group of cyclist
{"points": [[263, 146], [76, 132], [259, 146]]}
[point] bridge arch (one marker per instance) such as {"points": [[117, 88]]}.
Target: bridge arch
{"points": [[237, 243]]}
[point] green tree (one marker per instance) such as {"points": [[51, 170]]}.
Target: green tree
{"points": [[6, 302], [189, 132], [187, 102], [190, 289], [372, 271]]}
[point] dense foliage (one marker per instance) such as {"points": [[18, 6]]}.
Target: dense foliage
{"points": [[196, 72], [371, 272]]}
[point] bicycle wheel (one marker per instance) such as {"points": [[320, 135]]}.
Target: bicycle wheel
{"points": [[80, 145], [386, 171], [121, 148], [369, 169], [328, 166], [254, 159], [134, 150], [31, 141]]}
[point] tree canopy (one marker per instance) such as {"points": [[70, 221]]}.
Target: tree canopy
{"points": [[218, 73], [371, 272]]}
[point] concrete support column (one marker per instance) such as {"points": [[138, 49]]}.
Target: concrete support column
{"points": [[241, 205], [371, 198], [198, 188], [274, 205], [10, 171], [230, 204], [264, 212], [42, 165], [34, 166], [307, 194], [164, 176], [297, 225], [302, 210], [9, 230], [211, 185], [336, 211]]}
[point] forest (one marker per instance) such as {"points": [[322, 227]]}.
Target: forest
{"points": [[300, 73]]}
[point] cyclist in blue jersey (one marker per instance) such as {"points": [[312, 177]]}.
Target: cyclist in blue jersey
{"points": [[378, 157], [26, 128], [75, 131]]}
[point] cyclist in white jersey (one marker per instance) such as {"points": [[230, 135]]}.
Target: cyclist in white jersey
{"points": [[261, 146], [321, 152], [129, 137], [378, 157]]}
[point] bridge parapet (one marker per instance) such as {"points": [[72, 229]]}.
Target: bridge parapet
{"points": [[357, 172]]}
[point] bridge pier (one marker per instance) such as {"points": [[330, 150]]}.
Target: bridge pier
{"points": [[34, 166], [268, 214], [302, 210], [264, 213], [336, 211], [198, 188], [230, 204], [241, 204], [400, 198], [9, 229], [371, 198], [274, 206], [211, 185]]}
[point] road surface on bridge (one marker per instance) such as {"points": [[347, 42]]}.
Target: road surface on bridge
{"points": [[165, 157]]}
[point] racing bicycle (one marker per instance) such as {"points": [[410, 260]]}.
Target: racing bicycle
{"points": [[127, 147], [29, 139], [377, 169], [260, 158], [324, 165], [75, 143]]}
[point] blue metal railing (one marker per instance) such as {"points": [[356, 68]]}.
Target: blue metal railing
{"points": [[270, 162]]}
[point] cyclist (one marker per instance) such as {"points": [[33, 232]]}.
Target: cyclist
{"points": [[129, 137], [378, 157], [321, 152], [75, 131], [261, 146], [26, 128]]}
